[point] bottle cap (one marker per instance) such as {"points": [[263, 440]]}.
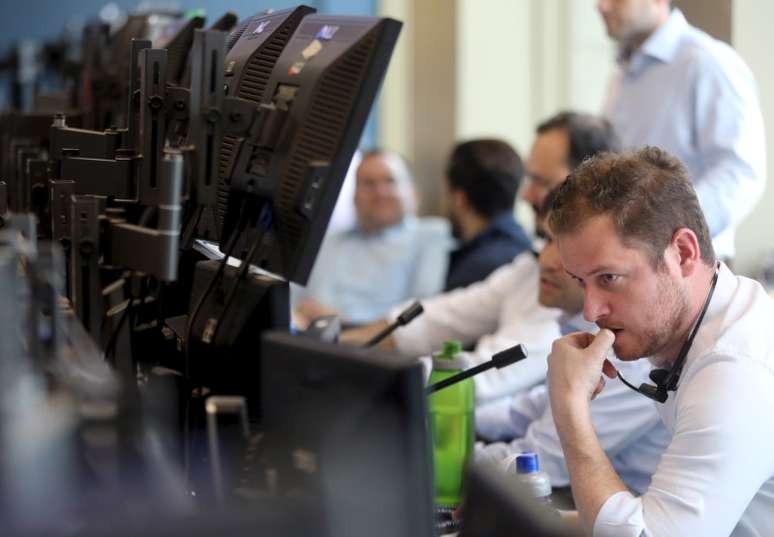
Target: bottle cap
{"points": [[527, 463], [450, 349], [451, 357]]}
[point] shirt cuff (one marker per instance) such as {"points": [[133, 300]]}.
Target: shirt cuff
{"points": [[620, 516]]}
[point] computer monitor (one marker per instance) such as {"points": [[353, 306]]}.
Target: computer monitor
{"points": [[347, 427], [177, 38], [497, 505], [314, 108], [252, 51]]}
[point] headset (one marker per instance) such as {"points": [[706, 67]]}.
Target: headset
{"points": [[666, 379]]}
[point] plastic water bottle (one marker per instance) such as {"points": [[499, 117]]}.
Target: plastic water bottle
{"points": [[451, 422], [529, 473]]}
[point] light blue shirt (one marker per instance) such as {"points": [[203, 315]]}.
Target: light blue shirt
{"points": [[362, 276], [626, 423], [692, 95]]}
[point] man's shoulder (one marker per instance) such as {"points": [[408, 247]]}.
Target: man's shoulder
{"points": [[521, 268], [504, 239], [742, 331], [706, 53]]}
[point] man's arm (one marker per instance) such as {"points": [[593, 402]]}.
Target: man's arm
{"points": [[722, 448], [730, 140], [463, 314], [362, 334], [592, 477], [620, 419], [575, 369]]}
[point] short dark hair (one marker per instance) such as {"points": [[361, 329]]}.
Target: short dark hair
{"points": [[489, 172], [588, 134], [646, 192]]}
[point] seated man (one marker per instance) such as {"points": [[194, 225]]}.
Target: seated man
{"points": [[503, 309], [630, 229], [627, 425], [388, 257], [483, 178]]}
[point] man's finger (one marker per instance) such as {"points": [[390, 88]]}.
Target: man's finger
{"points": [[599, 388], [609, 369], [602, 343], [577, 340]]}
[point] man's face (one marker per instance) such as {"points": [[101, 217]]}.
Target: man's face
{"points": [[628, 20], [377, 201], [546, 167], [557, 288], [641, 304]]}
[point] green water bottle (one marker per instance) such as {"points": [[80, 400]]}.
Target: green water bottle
{"points": [[451, 423]]}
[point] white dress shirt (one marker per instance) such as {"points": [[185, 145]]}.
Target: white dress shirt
{"points": [[717, 475], [626, 423], [692, 95], [495, 314]]}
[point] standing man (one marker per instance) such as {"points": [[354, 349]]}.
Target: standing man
{"points": [[679, 89], [629, 228], [483, 177]]}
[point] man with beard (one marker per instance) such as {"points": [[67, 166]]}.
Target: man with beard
{"points": [[483, 179], [627, 425], [630, 229]]}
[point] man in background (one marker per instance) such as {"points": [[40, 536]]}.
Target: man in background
{"points": [[483, 178], [679, 89], [388, 257]]}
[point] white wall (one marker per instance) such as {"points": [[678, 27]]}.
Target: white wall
{"points": [[751, 37], [493, 72], [396, 107]]}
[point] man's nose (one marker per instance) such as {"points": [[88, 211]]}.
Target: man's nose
{"points": [[595, 306], [531, 194]]}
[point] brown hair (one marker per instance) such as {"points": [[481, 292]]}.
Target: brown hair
{"points": [[647, 194]]}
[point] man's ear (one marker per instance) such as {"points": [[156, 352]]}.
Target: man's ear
{"points": [[686, 250], [458, 198]]}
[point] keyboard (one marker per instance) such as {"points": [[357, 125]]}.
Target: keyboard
{"points": [[444, 522]]}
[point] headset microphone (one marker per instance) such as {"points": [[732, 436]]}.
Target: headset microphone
{"points": [[666, 380]]}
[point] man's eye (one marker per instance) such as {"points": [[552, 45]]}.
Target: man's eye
{"points": [[580, 282], [608, 279]]}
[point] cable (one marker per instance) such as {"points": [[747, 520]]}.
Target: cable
{"points": [[265, 222], [230, 245], [113, 338]]}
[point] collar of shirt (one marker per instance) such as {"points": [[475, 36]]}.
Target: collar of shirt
{"points": [[503, 224], [661, 46]]}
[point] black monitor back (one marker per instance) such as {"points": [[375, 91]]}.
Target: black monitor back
{"points": [[177, 38], [348, 427], [253, 49], [322, 87]]}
